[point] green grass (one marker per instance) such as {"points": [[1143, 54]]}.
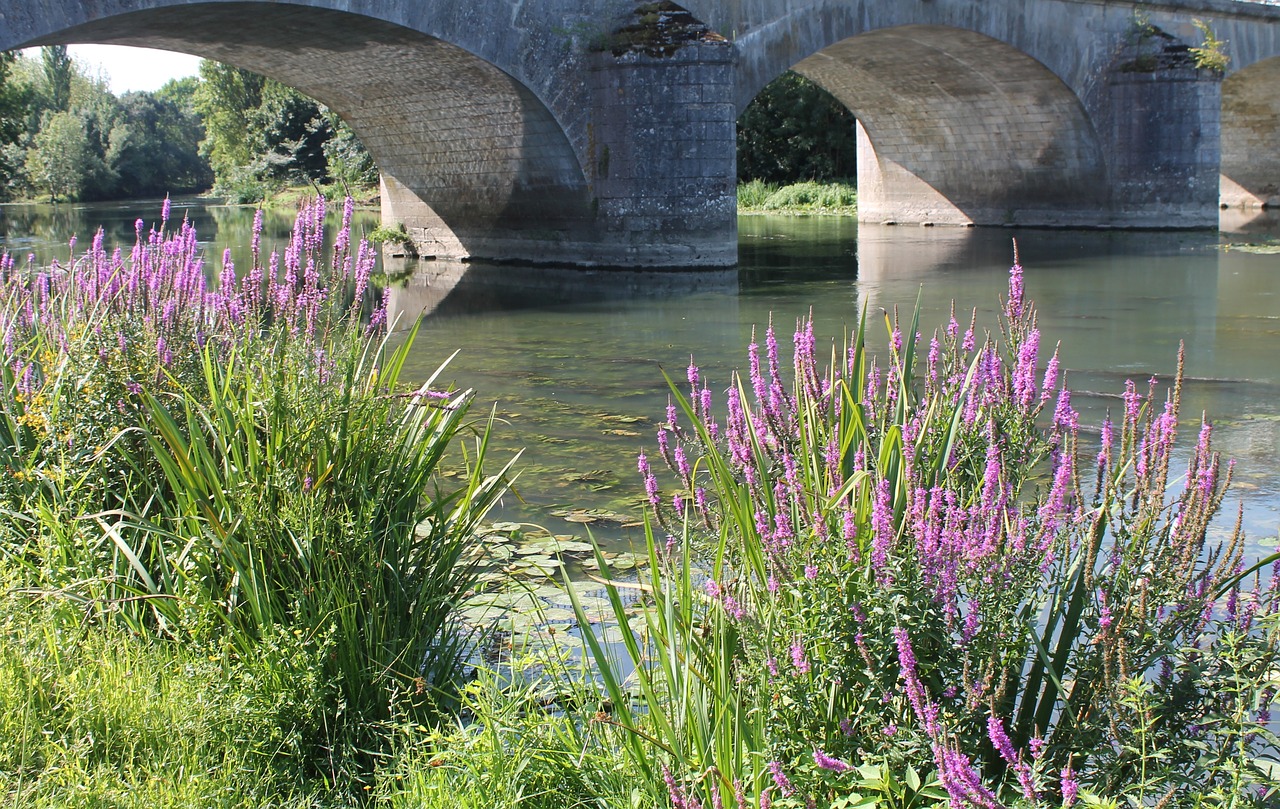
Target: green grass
{"points": [[97, 717], [805, 198]]}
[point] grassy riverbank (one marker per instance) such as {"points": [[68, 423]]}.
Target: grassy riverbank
{"points": [[798, 199], [240, 566]]}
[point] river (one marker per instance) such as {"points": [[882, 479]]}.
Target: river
{"points": [[572, 360]]}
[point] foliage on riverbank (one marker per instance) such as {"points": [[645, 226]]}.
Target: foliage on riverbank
{"points": [[235, 467], [798, 199], [912, 582], [232, 550]]}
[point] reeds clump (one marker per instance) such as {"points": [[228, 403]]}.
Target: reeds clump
{"points": [[916, 580], [235, 464]]}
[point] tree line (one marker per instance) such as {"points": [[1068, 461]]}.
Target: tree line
{"points": [[65, 136]]}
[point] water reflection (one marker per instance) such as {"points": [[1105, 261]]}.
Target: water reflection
{"points": [[454, 288]]}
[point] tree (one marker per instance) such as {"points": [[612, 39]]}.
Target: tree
{"points": [[15, 104], [291, 130], [154, 148], [225, 100], [795, 130], [348, 161], [260, 133], [59, 159], [58, 71]]}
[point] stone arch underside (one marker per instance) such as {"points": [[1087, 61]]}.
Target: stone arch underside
{"points": [[1250, 173], [471, 159], [959, 128]]}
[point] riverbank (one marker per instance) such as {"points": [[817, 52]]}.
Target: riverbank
{"points": [[798, 199], [146, 662], [806, 198]]}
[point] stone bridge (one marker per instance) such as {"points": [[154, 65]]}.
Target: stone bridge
{"points": [[602, 131]]}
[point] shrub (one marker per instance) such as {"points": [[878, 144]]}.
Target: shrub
{"points": [[238, 464], [913, 578], [799, 198]]}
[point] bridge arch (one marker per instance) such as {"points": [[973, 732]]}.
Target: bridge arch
{"points": [[471, 156], [1250, 173], [955, 127]]}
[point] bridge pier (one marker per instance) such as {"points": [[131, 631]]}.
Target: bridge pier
{"points": [[663, 144], [1160, 132], [659, 175]]}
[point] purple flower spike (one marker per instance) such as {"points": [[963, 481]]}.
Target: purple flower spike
{"points": [[1014, 306], [780, 778], [1070, 787], [827, 762]]}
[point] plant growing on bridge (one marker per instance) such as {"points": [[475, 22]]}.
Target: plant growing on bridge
{"points": [[1211, 54], [890, 581]]}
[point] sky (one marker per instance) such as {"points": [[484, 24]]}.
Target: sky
{"points": [[132, 68]]}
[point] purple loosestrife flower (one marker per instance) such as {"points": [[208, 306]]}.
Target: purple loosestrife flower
{"points": [[1104, 448], [1050, 383], [881, 526], [849, 530], [682, 466], [1014, 305], [692, 372], [674, 790], [961, 780], [1064, 417], [827, 762], [650, 482], [757, 381], [925, 711], [780, 778], [798, 658], [1070, 787], [1000, 741], [704, 403], [935, 351], [1024, 374]]}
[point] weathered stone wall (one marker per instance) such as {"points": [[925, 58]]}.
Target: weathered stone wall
{"points": [[665, 151], [1161, 130]]}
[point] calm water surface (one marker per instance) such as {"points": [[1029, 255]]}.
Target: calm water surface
{"points": [[573, 360]]}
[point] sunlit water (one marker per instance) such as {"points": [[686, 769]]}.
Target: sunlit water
{"points": [[573, 360]]}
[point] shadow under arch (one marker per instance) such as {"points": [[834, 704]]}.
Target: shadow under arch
{"points": [[471, 159], [1250, 168], [956, 127]]}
